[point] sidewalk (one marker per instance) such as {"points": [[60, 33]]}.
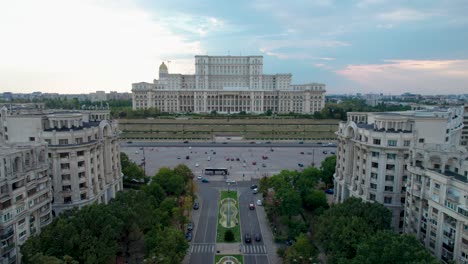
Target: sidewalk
{"points": [[268, 238]]}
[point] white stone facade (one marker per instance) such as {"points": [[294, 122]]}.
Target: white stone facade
{"points": [[412, 163], [228, 84], [25, 196], [464, 138], [83, 153], [374, 148]]}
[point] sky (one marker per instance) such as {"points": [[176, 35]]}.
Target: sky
{"points": [[352, 46]]}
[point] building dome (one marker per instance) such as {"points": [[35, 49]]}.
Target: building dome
{"points": [[163, 68]]}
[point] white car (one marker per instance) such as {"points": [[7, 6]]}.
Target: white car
{"points": [[230, 181], [199, 177], [209, 158], [196, 165], [136, 152], [259, 202], [189, 147]]}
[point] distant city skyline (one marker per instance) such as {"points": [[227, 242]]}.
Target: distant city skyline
{"points": [[361, 46]]}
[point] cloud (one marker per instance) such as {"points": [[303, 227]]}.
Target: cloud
{"points": [[419, 76], [84, 45], [404, 14]]}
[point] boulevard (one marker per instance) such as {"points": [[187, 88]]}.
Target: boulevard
{"points": [[246, 164]]}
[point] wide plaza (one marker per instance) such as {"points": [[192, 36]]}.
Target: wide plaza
{"points": [[243, 163]]}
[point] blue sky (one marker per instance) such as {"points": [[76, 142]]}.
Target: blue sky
{"points": [[352, 46]]}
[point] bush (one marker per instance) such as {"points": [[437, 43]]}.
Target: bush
{"points": [[228, 236]]}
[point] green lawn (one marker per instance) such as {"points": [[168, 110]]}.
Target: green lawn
{"points": [[238, 257], [222, 229]]}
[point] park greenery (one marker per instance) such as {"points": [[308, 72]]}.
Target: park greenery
{"points": [[222, 231], [351, 232], [137, 226], [131, 171]]}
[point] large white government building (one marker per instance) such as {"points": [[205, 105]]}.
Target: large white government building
{"points": [[227, 84], [413, 163]]}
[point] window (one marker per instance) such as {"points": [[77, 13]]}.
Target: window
{"points": [[64, 155], [388, 200], [406, 143], [391, 156], [375, 165], [421, 140], [373, 186], [376, 141], [389, 188], [373, 175], [392, 143], [78, 140], [389, 177], [65, 166], [390, 167], [63, 141], [32, 139], [375, 154], [19, 198], [437, 186], [80, 153], [65, 177], [372, 197]]}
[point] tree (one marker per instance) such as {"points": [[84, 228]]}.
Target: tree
{"points": [[166, 244], [289, 202], [302, 249], [328, 169], [228, 235], [130, 169], [387, 247], [313, 199], [172, 183], [343, 227]]}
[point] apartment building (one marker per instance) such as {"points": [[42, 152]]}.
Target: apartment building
{"points": [[413, 163], [25, 195], [436, 209], [374, 149], [83, 153], [464, 138], [228, 84]]}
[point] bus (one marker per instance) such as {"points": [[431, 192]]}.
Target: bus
{"points": [[214, 171]]}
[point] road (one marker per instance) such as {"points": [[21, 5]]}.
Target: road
{"points": [[224, 144], [255, 252], [202, 248]]}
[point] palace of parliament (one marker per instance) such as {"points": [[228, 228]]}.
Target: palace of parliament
{"points": [[228, 84]]}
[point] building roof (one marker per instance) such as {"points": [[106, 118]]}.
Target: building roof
{"points": [[163, 67]]}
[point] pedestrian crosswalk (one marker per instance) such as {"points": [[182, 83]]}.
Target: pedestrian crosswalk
{"points": [[202, 248], [254, 249]]}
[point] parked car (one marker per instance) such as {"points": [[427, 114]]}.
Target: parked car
{"points": [[199, 177], [190, 226], [230, 181], [209, 158], [258, 237], [136, 152], [129, 142], [254, 186], [254, 163], [325, 152], [247, 238], [251, 206], [214, 153], [188, 236], [263, 165], [196, 165], [301, 142], [302, 152], [205, 180], [186, 141], [237, 159], [264, 157], [259, 202], [329, 191], [187, 157], [255, 191], [178, 157], [196, 206], [300, 165]]}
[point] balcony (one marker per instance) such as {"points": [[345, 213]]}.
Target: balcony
{"points": [[448, 247], [7, 234]]}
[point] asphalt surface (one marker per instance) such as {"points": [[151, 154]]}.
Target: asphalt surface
{"points": [[225, 144], [203, 245], [254, 252], [279, 159]]}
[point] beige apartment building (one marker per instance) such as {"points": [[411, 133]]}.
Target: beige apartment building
{"points": [[83, 153], [228, 84], [25, 195], [386, 158]]}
